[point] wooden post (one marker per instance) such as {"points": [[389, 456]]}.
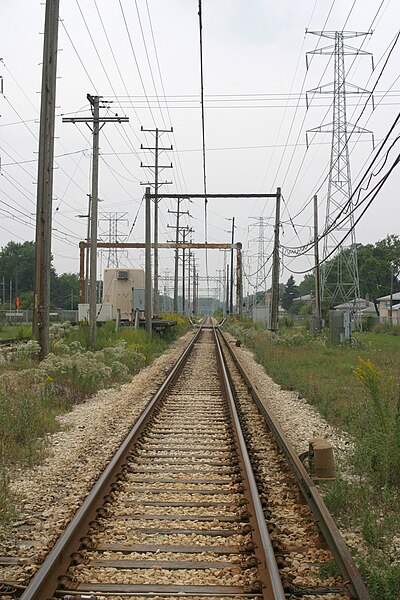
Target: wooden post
{"points": [[45, 179], [94, 101]]}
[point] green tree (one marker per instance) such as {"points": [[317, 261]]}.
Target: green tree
{"points": [[65, 291], [17, 266], [307, 285], [375, 267], [289, 293]]}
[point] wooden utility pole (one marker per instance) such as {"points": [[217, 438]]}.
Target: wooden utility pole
{"points": [[275, 265], [178, 214], [148, 279], [185, 231], [94, 101], [157, 168], [45, 179], [316, 269], [95, 123]]}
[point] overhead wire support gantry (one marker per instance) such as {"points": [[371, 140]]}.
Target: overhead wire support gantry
{"points": [[239, 291]]}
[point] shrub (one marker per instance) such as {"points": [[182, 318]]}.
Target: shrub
{"points": [[286, 322], [368, 322], [60, 331], [386, 328], [24, 352], [378, 445], [27, 410]]}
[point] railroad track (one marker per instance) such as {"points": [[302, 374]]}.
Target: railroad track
{"points": [[198, 501]]}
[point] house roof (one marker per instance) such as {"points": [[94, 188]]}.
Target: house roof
{"points": [[359, 303], [369, 309], [305, 298], [396, 296]]}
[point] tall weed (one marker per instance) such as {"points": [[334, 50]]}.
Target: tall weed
{"points": [[32, 394], [378, 444]]}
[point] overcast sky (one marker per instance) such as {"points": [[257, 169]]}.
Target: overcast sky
{"points": [[255, 81]]}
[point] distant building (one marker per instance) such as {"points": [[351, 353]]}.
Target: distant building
{"points": [[384, 307], [307, 299], [357, 305]]}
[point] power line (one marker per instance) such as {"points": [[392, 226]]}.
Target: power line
{"points": [[136, 61]]}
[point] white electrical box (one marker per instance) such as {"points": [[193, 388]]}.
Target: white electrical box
{"points": [[138, 299], [104, 312], [119, 288]]}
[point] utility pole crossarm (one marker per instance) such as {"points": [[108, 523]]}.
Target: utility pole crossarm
{"points": [[100, 120]]}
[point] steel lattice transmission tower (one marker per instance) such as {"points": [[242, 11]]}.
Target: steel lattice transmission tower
{"points": [[340, 238], [113, 236], [261, 274]]}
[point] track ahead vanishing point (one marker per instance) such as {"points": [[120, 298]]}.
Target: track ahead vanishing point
{"points": [[203, 499]]}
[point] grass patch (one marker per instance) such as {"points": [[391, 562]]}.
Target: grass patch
{"points": [[357, 388], [19, 332], [383, 580]]}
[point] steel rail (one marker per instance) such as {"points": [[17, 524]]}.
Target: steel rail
{"points": [[44, 583], [268, 568], [329, 530]]}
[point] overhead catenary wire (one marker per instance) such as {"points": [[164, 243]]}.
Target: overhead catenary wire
{"points": [[377, 189], [203, 131], [176, 150], [306, 247]]}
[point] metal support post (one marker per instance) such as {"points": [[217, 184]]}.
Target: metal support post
{"points": [[148, 278], [227, 289], [275, 265], [231, 282], [82, 270], [239, 281], [317, 269]]}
